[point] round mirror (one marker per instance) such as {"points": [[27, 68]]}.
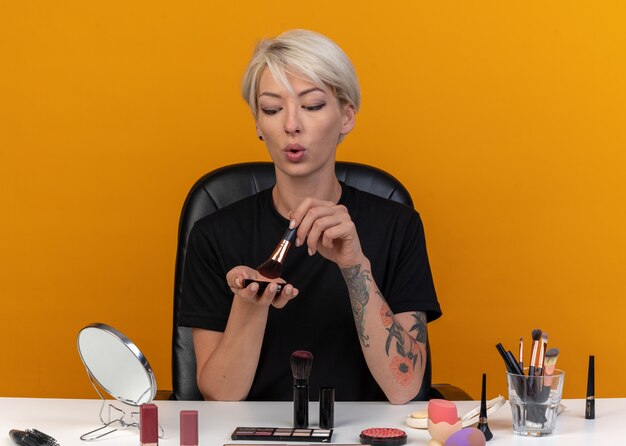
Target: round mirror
{"points": [[116, 364]]}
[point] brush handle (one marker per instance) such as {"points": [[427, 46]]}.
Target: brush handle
{"points": [[300, 405], [290, 234], [514, 363], [507, 361]]}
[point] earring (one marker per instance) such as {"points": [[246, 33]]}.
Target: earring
{"points": [[260, 138]]}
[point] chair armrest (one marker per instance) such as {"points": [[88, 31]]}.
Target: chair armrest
{"points": [[449, 392], [162, 395]]}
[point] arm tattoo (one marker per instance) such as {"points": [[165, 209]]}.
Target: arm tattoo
{"points": [[419, 327], [359, 296], [408, 353]]}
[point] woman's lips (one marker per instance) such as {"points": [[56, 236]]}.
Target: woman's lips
{"points": [[294, 152]]}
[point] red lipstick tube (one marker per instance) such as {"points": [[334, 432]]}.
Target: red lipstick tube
{"points": [[188, 428], [148, 425]]}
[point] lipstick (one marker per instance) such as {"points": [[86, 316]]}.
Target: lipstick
{"points": [[188, 428], [149, 425]]}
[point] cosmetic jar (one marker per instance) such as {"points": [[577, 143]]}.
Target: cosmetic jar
{"points": [[383, 436]]}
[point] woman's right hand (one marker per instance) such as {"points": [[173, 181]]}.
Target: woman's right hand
{"points": [[248, 294]]}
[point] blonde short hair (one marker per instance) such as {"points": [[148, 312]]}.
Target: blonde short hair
{"points": [[307, 54]]}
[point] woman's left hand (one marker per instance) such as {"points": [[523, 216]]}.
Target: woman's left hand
{"points": [[328, 229]]}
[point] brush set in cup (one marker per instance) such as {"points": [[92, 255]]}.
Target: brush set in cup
{"points": [[533, 382]]}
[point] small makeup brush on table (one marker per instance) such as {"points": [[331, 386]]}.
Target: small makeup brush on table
{"points": [[301, 363]]}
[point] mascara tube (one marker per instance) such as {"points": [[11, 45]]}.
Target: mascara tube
{"points": [[590, 402]]}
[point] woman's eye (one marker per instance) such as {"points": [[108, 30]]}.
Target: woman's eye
{"points": [[314, 107], [270, 111]]}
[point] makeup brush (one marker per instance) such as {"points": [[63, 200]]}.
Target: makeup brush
{"points": [[301, 363], [482, 421], [511, 365], [521, 353], [534, 352], [272, 267], [549, 365], [543, 344]]}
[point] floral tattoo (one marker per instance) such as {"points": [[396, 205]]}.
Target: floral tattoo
{"points": [[408, 355], [407, 347]]}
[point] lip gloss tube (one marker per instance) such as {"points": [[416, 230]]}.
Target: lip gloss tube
{"points": [[188, 428], [148, 425]]}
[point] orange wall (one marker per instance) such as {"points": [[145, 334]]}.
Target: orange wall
{"points": [[504, 119]]}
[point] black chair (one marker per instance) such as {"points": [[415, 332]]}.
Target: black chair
{"points": [[228, 184]]}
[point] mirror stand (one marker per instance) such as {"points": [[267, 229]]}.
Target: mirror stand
{"points": [[115, 365], [115, 421]]}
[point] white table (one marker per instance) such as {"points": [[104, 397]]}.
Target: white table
{"points": [[67, 420]]}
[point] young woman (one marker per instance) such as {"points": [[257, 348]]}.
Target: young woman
{"points": [[357, 291]]}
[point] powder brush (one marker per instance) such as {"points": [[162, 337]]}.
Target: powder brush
{"points": [[272, 267], [301, 363]]}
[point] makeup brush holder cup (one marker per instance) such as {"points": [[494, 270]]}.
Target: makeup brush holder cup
{"points": [[534, 402]]}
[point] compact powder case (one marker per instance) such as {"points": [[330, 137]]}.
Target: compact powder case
{"points": [[383, 436]]}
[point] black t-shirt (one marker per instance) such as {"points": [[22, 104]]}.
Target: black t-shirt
{"points": [[320, 318]]}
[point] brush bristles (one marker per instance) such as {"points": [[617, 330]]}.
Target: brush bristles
{"points": [[270, 269], [301, 363], [551, 356], [536, 334]]}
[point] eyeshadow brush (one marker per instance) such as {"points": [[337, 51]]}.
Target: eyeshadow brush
{"points": [[521, 352], [534, 352], [543, 345], [272, 267]]}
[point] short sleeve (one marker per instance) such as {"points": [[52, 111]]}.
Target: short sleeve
{"points": [[206, 298]]}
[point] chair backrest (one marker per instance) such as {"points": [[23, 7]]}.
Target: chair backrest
{"points": [[224, 186]]}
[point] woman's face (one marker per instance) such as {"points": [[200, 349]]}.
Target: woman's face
{"points": [[301, 128]]}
